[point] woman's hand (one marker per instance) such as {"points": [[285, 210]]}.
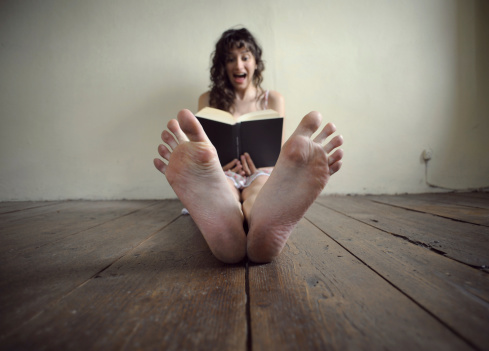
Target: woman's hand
{"points": [[247, 164], [245, 167], [234, 166]]}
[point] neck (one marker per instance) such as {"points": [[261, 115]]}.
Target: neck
{"points": [[245, 101], [250, 93]]}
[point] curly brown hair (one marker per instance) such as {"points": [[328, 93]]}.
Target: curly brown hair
{"points": [[222, 92]]}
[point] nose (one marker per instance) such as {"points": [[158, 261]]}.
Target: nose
{"points": [[239, 63]]}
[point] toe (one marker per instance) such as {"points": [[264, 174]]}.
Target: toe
{"points": [[337, 141], [309, 124], [174, 127], [191, 126], [164, 152], [169, 139], [328, 129], [335, 157], [160, 165], [335, 167]]}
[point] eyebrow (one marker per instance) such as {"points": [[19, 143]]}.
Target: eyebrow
{"points": [[231, 55], [241, 50]]}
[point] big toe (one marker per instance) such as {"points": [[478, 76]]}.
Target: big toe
{"points": [[191, 127], [309, 124]]}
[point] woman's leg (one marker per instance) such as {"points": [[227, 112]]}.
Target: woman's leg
{"points": [[249, 194]]}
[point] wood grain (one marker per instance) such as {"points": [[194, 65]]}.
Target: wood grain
{"points": [[41, 226], [464, 242], [168, 293], [431, 204], [456, 294], [357, 273], [16, 206], [317, 296], [41, 276], [472, 199]]}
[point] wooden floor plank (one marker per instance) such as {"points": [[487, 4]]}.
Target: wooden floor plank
{"points": [[317, 296], [10, 216], [476, 197], [133, 275], [429, 203], [38, 277], [463, 242], [169, 293], [25, 230], [472, 199], [16, 206], [456, 294]]}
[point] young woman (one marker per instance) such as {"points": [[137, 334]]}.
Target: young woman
{"points": [[220, 202], [236, 77]]}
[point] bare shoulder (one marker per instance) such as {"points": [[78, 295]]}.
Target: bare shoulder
{"points": [[276, 102], [204, 100]]}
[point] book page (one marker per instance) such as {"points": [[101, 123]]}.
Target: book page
{"points": [[257, 115], [227, 118], [216, 115]]}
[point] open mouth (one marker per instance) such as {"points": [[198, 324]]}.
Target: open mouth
{"points": [[240, 76]]}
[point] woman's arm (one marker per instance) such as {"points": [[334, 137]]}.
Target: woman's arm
{"points": [[276, 102]]}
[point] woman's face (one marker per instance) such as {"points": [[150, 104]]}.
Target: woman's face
{"points": [[240, 68]]}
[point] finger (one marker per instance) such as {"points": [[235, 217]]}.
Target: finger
{"points": [[164, 152], [169, 139], [174, 127], [337, 141], [230, 165], [160, 165], [238, 168], [250, 163], [328, 129], [246, 168]]}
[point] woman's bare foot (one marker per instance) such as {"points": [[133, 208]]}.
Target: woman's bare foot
{"points": [[196, 176], [301, 173]]}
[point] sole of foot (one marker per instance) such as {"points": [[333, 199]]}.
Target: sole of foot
{"points": [[301, 173], [193, 171]]}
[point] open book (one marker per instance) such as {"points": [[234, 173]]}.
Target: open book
{"points": [[257, 133]]}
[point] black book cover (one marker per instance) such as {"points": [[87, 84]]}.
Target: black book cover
{"points": [[262, 139], [258, 133]]}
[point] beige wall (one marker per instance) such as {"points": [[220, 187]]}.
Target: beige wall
{"points": [[87, 86]]}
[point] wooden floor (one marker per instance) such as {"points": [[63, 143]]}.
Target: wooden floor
{"points": [[358, 273]]}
